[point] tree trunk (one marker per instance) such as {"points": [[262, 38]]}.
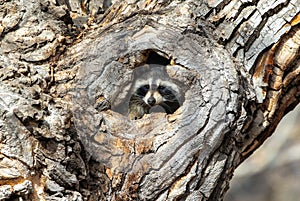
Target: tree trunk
{"points": [[67, 66]]}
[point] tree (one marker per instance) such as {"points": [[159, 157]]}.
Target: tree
{"points": [[65, 64]]}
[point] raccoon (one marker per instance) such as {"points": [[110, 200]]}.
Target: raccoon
{"points": [[153, 87]]}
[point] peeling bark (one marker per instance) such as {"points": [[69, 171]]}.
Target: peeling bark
{"points": [[65, 65]]}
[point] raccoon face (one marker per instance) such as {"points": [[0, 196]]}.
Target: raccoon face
{"points": [[153, 87], [157, 93]]}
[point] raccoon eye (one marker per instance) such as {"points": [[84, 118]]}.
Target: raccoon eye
{"points": [[146, 87], [161, 87], [164, 90], [142, 91]]}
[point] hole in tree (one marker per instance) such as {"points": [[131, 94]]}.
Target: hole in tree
{"points": [[141, 73], [155, 58]]}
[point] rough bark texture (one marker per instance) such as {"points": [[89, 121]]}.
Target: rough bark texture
{"points": [[65, 65]]}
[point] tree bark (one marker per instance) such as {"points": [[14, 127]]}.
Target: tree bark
{"points": [[65, 66]]}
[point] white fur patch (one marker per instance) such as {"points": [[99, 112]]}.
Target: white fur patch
{"points": [[158, 97]]}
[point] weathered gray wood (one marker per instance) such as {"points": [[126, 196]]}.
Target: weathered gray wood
{"points": [[60, 136], [156, 146]]}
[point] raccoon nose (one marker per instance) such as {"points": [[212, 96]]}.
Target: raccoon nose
{"points": [[151, 101]]}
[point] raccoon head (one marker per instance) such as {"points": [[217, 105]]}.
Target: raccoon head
{"points": [[152, 89], [158, 92]]}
